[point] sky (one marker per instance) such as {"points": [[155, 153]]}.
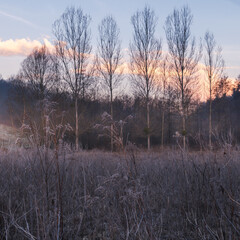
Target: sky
{"points": [[25, 24]]}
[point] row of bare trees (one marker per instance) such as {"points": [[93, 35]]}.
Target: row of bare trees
{"points": [[73, 67]]}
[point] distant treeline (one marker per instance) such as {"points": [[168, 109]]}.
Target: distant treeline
{"points": [[20, 105]]}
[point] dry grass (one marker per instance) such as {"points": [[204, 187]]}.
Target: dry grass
{"points": [[96, 195], [8, 135]]}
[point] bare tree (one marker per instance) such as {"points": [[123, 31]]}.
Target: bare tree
{"points": [[109, 58], [222, 87], [165, 77], [145, 53], [37, 70], [184, 57], [214, 69], [73, 48], [39, 75]]}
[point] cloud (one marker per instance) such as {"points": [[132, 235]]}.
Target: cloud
{"points": [[21, 47], [19, 19], [232, 67]]}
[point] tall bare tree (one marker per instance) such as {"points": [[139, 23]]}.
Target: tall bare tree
{"points": [[109, 58], [184, 57], [214, 68], [145, 54], [165, 77], [73, 49]]}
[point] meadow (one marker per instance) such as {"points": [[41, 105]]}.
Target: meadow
{"points": [[168, 194]]}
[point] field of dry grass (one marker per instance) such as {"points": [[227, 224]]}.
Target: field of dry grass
{"points": [[136, 195], [8, 135]]}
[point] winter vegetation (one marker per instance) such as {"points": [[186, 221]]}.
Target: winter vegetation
{"points": [[99, 145], [136, 195]]}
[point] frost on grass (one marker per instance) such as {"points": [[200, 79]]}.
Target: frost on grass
{"points": [[133, 195], [8, 135]]}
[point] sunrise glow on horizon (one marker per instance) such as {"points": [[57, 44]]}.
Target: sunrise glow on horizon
{"points": [[26, 25]]}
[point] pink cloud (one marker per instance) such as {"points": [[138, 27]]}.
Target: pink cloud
{"points": [[21, 47]]}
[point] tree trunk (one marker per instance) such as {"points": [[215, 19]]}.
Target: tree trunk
{"points": [[163, 129], [111, 111], [169, 125], [76, 122], [112, 119], [148, 126], [24, 112], [210, 118], [183, 109], [184, 130]]}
